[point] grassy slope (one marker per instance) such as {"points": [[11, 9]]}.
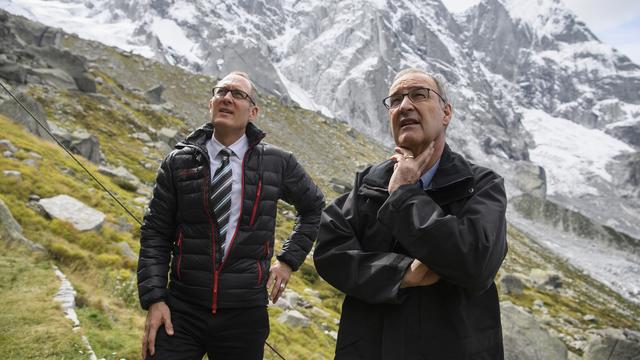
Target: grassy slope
{"points": [[105, 281]]}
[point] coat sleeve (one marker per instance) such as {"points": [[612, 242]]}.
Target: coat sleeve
{"points": [[340, 259], [300, 191], [156, 237], [467, 249]]}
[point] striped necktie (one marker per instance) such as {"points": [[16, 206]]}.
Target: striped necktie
{"points": [[221, 195]]}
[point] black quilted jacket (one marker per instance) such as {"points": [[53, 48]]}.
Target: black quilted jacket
{"points": [[178, 228]]}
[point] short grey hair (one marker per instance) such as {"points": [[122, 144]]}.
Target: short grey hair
{"points": [[441, 82], [242, 74]]}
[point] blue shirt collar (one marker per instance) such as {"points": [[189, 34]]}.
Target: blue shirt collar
{"points": [[426, 178]]}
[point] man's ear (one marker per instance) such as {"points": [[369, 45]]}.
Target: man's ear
{"points": [[253, 113], [448, 112], [211, 106]]}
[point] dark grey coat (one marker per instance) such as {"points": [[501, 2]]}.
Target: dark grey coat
{"points": [[457, 228]]}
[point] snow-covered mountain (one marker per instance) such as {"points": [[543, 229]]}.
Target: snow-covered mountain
{"points": [[529, 82]]}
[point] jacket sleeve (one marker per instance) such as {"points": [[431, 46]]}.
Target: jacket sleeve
{"points": [[156, 236], [300, 191], [340, 259], [467, 249]]}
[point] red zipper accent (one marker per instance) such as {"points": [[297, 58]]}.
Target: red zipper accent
{"points": [[179, 253], [255, 204], [259, 272], [214, 305], [205, 191]]}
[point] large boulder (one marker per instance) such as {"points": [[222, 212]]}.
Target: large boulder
{"points": [[55, 77], [154, 95], [524, 339], [511, 284], [614, 344], [14, 72], [11, 231], [169, 136], [294, 318], [15, 112], [67, 208], [87, 145]]}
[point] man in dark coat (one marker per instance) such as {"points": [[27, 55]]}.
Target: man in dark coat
{"points": [[211, 223], [416, 244]]}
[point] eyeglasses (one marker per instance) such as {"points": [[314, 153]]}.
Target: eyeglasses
{"points": [[416, 95], [235, 93]]}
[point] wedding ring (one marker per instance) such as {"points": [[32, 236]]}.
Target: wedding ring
{"points": [[408, 156], [282, 286]]}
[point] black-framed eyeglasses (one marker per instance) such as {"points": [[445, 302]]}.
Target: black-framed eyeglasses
{"points": [[415, 95], [219, 91]]}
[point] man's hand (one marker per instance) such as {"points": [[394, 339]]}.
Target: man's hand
{"points": [[158, 315], [408, 168], [419, 274], [278, 279]]}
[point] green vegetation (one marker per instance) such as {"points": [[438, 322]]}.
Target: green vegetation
{"points": [[32, 326]]}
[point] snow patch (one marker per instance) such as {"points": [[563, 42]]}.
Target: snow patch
{"points": [[172, 35], [570, 153]]}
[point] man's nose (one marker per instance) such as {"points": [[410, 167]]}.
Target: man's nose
{"points": [[405, 104], [227, 97]]}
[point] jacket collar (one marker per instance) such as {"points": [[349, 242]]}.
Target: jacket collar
{"points": [[452, 170], [200, 136]]}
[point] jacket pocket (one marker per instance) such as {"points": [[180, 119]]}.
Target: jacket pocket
{"points": [[255, 203]]}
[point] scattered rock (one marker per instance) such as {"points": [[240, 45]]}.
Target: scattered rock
{"points": [[142, 136], [163, 147], [590, 318], [120, 172], [169, 136], [614, 344], [7, 154], [319, 312], [11, 231], [85, 83], [545, 279], [55, 77], [99, 80], [293, 318], [4, 143], [340, 186], [352, 132], [14, 72], [12, 173], [15, 112], [154, 95], [511, 284], [292, 297], [30, 162], [87, 145], [313, 293], [34, 197], [35, 155], [126, 251], [67, 208], [283, 304], [524, 339]]}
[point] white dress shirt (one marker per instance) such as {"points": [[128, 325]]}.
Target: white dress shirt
{"points": [[238, 149]]}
